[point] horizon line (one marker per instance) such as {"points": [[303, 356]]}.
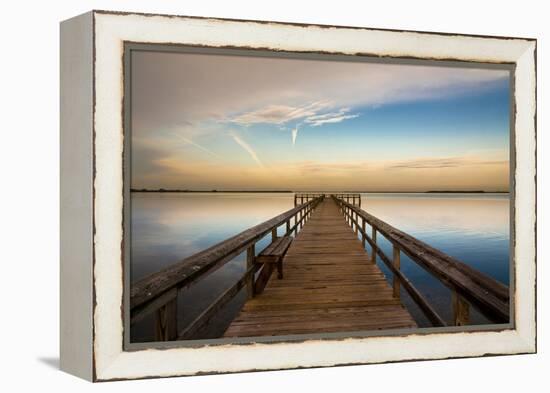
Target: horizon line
{"points": [[318, 191]]}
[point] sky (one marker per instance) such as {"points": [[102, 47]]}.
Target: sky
{"points": [[226, 122]]}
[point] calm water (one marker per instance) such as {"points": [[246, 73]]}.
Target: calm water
{"points": [[171, 226]]}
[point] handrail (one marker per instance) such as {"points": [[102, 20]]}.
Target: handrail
{"points": [[306, 197], [418, 298], [489, 296], [161, 288], [349, 196]]}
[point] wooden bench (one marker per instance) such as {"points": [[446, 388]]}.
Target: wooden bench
{"points": [[270, 256]]}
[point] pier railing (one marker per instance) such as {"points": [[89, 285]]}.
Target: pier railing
{"points": [[353, 198], [158, 292], [302, 197], [467, 285]]}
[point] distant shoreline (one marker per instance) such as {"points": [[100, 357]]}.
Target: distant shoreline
{"points": [[162, 190]]}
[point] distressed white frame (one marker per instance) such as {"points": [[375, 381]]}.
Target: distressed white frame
{"points": [[111, 30]]}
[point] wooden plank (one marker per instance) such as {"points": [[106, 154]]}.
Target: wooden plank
{"points": [[330, 285]]}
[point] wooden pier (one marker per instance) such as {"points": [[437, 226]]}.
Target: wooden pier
{"points": [[330, 285], [327, 280]]}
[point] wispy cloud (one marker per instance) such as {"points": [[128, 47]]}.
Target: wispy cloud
{"points": [[331, 117], [314, 114], [277, 114], [444, 162], [294, 134], [248, 148], [190, 142]]}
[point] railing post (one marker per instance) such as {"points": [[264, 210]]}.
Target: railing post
{"points": [[397, 265], [461, 310], [363, 233], [273, 234], [250, 256], [373, 256], [288, 227], [166, 321]]}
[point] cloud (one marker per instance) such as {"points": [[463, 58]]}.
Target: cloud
{"points": [[277, 114], [197, 96], [190, 142], [445, 162], [476, 173], [311, 167], [247, 148], [294, 134], [331, 117], [173, 89]]}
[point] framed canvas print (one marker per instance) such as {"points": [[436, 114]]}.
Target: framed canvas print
{"points": [[246, 195]]}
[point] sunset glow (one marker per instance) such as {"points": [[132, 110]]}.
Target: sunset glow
{"points": [[203, 122]]}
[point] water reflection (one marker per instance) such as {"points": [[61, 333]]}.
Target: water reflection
{"points": [[170, 226]]}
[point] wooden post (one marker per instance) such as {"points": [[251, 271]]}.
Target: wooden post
{"points": [[461, 310], [166, 321], [273, 234], [288, 227], [363, 234], [295, 200], [397, 264], [373, 257], [250, 256]]}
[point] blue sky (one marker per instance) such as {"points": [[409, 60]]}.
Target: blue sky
{"points": [[228, 122]]}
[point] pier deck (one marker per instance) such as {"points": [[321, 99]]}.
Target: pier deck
{"points": [[330, 285]]}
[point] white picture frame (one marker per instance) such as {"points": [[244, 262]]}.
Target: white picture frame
{"points": [[92, 196]]}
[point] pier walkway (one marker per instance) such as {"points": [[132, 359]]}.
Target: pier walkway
{"points": [[330, 285]]}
